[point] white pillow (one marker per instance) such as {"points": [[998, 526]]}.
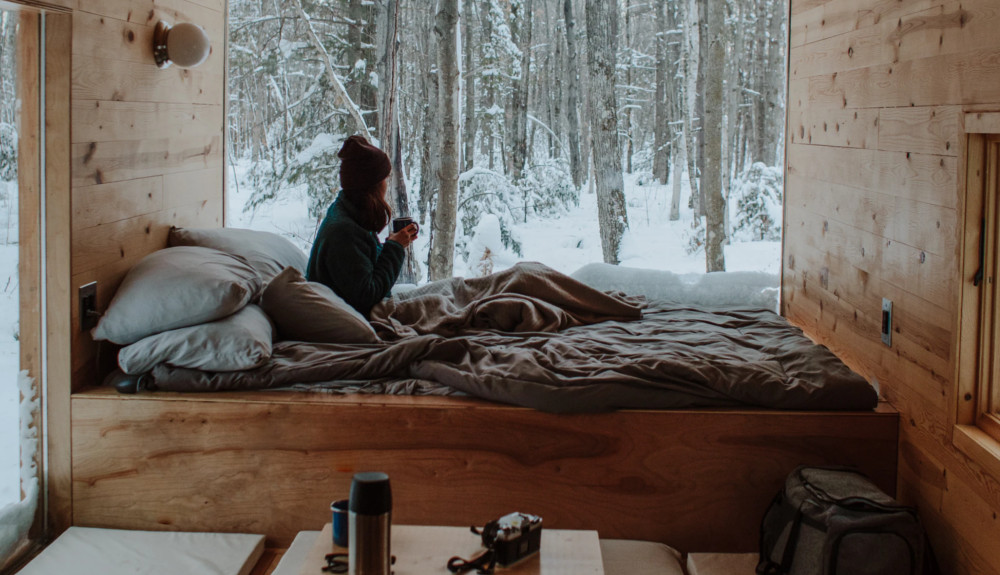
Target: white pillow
{"points": [[267, 252], [240, 341], [310, 311], [174, 288]]}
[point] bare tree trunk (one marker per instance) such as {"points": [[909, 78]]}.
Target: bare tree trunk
{"points": [[691, 59], [678, 158], [711, 182], [430, 135], [517, 135], [661, 132], [774, 111], [627, 127], [602, 23], [387, 33], [469, 128], [445, 212], [573, 97]]}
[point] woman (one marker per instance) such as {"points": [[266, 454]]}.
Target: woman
{"points": [[347, 255]]}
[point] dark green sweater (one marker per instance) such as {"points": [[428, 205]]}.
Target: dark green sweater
{"points": [[351, 260]]}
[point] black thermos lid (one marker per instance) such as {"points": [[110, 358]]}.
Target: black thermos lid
{"points": [[370, 493]]}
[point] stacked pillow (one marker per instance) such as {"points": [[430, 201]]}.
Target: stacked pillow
{"points": [[192, 305]]}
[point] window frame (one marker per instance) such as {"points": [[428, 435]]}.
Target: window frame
{"points": [[976, 430], [44, 211]]}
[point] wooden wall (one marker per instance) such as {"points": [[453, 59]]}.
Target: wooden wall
{"points": [[878, 90], [147, 144], [145, 153]]}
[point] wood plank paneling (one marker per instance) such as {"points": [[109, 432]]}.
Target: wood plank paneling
{"points": [[147, 146], [697, 478], [882, 215], [105, 162], [114, 121], [58, 249]]}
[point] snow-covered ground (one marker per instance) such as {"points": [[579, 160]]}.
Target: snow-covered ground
{"points": [[566, 243], [9, 349]]}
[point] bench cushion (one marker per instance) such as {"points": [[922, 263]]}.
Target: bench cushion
{"points": [[722, 563], [628, 557]]}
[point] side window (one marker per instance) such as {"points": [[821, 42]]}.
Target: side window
{"points": [[977, 401], [987, 396]]}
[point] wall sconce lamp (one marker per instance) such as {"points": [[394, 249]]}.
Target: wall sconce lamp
{"points": [[185, 44]]}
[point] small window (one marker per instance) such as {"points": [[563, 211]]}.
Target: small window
{"points": [[985, 160]]}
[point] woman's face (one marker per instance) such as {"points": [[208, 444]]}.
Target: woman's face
{"points": [[381, 187]]}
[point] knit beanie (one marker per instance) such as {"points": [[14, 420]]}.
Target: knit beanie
{"points": [[362, 165]]}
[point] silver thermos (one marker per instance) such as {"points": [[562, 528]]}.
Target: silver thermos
{"points": [[368, 521]]}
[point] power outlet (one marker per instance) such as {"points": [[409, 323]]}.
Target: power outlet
{"points": [[887, 322], [88, 306]]}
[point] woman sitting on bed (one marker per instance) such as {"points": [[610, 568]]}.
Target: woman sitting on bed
{"points": [[347, 255]]}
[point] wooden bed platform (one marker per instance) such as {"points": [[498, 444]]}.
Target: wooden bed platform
{"points": [[271, 463]]}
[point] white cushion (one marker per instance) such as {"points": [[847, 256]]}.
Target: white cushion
{"points": [[629, 557], [310, 311], [234, 343], [267, 252], [295, 558], [722, 563], [174, 288], [91, 551]]}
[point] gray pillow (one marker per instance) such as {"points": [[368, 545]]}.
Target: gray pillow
{"points": [[234, 343], [310, 311], [174, 288], [268, 253]]}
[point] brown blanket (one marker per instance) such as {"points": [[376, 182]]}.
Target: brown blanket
{"points": [[527, 297], [533, 337]]}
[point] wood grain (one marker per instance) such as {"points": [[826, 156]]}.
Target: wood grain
{"points": [[862, 221], [58, 247], [698, 479], [422, 549]]}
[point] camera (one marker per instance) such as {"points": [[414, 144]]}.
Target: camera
{"points": [[513, 537]]}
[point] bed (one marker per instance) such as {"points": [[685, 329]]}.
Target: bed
{"points": [[568, 410]]}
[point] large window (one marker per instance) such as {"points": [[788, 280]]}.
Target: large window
{"points": [[21, 352], [532, 98]]}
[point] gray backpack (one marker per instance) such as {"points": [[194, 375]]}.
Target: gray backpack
{"points": [[835, 521]]}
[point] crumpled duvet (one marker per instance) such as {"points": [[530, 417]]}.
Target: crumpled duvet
{"points": [[534, 337]]}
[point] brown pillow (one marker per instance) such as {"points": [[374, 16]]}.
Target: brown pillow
{"points": [[310, 311]]}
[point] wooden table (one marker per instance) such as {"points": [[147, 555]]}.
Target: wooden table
{"points": [[425, 550]]}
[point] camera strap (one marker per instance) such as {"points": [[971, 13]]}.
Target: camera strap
{"points": [[484, 563]]}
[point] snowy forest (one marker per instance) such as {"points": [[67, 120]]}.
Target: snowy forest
{"points": [[498, 113]]}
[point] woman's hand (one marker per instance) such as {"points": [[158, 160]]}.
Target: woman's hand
{"points": [[405, 236]]}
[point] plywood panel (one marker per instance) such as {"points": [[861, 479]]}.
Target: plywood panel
{"points": [[206, 13], [108, 203], [99, 79], [920, 177], [700, 479], [839, 128], [104, 121], [105, 162], [963, 78], [924, 130], [111, 39]]}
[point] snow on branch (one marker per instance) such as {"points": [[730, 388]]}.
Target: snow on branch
{"points": [[338, 86]]}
